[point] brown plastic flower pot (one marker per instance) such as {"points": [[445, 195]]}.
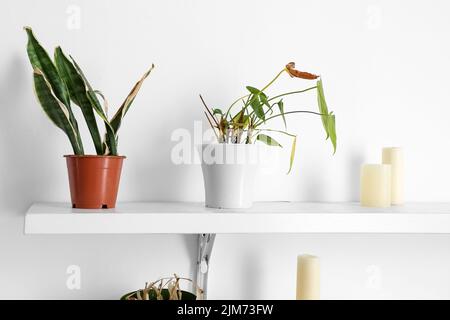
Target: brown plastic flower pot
{"points": [[94, 180]]}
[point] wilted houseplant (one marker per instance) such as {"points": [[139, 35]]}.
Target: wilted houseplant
{"points": [[162, 289], [94, 179], [239, 126]]}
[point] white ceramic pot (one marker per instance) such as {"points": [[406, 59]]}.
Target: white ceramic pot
{"points": [[229, 172]]}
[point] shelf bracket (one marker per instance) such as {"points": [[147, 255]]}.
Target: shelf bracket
{"points": [[205, 245]]}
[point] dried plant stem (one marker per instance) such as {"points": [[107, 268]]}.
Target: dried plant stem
{"points": [[212, 126], [209, 111]]}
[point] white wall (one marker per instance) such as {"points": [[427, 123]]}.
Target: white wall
{"points": [[385, 66]]}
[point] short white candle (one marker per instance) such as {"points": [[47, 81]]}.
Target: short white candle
{"points": [[376, 185], [394, 157], [308, 277]]}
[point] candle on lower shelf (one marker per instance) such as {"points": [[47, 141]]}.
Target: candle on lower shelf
{"points": [[376, 185], [308, 277], [394, 157]]}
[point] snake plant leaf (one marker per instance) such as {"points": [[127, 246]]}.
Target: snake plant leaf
{"points": [[110, 141], [40, 59], [90, 92], [78, 94], [323, 109], [122, 111], [291, 160], [268, 140], [55, 109]]}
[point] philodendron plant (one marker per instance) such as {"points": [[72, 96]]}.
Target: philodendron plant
{"points": [[245, 120], [58, 83]]}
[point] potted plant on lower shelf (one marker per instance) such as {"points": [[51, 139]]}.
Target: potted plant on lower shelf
{"points": [[162, 289], [93, 179], [230, 165]]}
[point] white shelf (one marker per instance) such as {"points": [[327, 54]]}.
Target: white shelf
{"points": [[264, 217]]}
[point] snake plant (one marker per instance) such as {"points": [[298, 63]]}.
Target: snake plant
{"points": [[58, 83], [248, 123]]}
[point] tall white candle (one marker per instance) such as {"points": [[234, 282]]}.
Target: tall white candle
{"points": [[376, 185], [308, 277], [394, 157]]}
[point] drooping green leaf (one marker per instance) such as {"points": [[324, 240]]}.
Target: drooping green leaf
{"points": [[253, 90], [40, 59], [256, 105], [323, 109], [291, 161], [332, 130], [281, 107], [78, 94], [264, 100], [122, 111], [55, 109], [328, 118], [217, 111], [268, 140]]}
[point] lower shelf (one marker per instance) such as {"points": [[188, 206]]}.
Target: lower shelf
{"points": [[263, 217]]}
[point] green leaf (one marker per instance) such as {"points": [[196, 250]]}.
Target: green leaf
{"points": [[268, 140], [78, 94], [40, 59], [240, 120], [217, 111], [264, 100], [110, 141], [281, 107], [117, 119], [256, 105], [328, 119], [291, 161], [253, 90], [332, 130], [323, 109], [55, 109]]}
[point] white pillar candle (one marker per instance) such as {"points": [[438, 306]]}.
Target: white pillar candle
{"points": [[376, 185], [394, 157], [308, 277]]}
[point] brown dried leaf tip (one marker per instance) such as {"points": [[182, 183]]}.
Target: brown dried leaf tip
{"points": [[290, 68]]}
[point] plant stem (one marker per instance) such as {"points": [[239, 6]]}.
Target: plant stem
{"points": [[279, 131], [236, 101], [206, 107], [248, 95], [292, 92], [212, 126], [274, 79], [300, 111]]}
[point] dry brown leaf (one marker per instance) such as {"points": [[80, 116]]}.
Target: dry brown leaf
{"points": [[290, 68]]}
